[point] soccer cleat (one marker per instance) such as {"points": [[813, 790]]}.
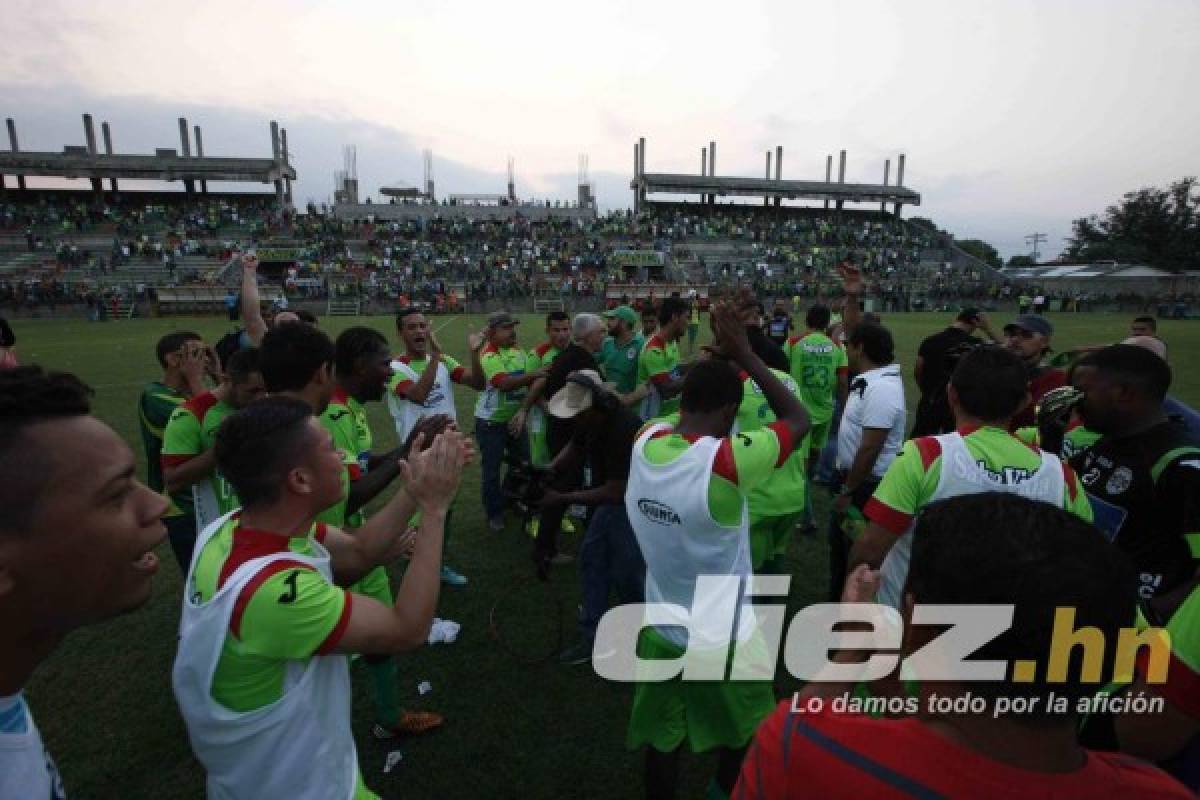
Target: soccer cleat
{"points": [[496, 524], [568, 525], [532, 527], [560, 559], [452, 578], [412, 723]]}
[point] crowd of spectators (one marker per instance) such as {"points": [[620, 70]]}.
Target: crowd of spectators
{"points": [[81, 246]]}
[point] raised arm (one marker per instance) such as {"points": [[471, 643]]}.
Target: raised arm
{"points": [[854, 287], [252, 318]]}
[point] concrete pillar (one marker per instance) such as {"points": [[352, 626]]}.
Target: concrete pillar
{"points": [[200, 154], [185, 151], [703, 161], [712, 168], [276, 157], [899, 179], [89, 133], [287, 182], [778, 170], [841, 175], [89, 136], [828, 173], [637, 192], [640, 168], [108, 151], [12, 143], [766, 199], [887, 170]]}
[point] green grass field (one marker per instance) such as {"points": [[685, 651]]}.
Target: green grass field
{"points": [[514, 728]]}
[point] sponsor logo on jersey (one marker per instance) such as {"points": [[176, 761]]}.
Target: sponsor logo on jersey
{"points": [[658, 513]]}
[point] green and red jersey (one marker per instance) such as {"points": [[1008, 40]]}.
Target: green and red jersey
{"points": [[499, 363], [912, 479], [658, 363], [346, 420], [287, 612], [784, 491], [1182, 687], [183, 440], [743, 462]]}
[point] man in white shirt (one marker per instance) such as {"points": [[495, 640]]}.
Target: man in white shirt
{"points": [[77, 538], [869, 436]]}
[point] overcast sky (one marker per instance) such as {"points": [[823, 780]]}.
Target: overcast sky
{"points": [[1016, 116]]}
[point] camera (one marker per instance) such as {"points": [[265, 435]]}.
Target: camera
{"points": [[524, 484]]}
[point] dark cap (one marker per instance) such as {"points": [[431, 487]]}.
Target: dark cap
{"points": [[501, 319], [968, 314], [1034, 323]]}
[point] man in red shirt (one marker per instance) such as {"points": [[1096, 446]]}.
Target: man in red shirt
{"points": [[1039, 558], [1029, 337]]}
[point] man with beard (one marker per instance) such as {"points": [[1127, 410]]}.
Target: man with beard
{"points": [[422, 386], [1029, 337], [1143, 475], [619, 352]]}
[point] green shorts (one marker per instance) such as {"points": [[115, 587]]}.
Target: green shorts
{"points": [[770, 537], [704, 714], [818, 435]]}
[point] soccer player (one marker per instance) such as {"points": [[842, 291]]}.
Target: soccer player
{"points": [[775, 504], [422, 386], [362, 370], [619, 352], [820, 368], [261, 674], [77, 538], [1038, 558], [649, 320], [188, 464], [558, 336], [1143, 475], [185, 362], [1029, 337], [986, 390], [507, 376], [686, 500], [658, 364]]}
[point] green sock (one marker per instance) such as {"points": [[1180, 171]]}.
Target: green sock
{"points": [[387, 691]]}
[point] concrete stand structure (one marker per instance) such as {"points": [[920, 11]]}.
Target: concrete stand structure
{"points": [[165, 165], [709, 186]]}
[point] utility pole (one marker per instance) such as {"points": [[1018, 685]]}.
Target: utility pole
{"points": [[1033, 240]]}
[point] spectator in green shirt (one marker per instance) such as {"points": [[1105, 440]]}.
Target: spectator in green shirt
{"points": [[620, 351]]}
